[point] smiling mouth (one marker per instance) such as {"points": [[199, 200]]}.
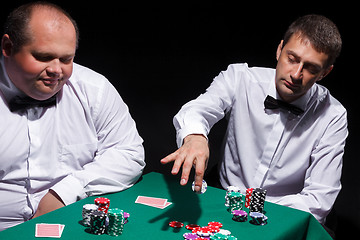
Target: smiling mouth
{"points": [[50, 82]]}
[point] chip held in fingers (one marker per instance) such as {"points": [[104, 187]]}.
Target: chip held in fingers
{"points": [[203, 187]]}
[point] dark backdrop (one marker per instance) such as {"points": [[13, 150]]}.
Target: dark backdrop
{"points": [[159, 56]]}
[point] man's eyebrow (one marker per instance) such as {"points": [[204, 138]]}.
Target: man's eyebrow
{"points": [[52, 55], [308, 63]]}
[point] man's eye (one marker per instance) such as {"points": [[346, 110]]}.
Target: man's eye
{"points": [[291, 59], [43, 58], [66, 60], [313, 70]]}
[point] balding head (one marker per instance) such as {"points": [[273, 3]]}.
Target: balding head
{"points": [[18, 24]]}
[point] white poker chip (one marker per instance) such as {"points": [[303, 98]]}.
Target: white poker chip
{"points": [[225, 232], [203, 187]]}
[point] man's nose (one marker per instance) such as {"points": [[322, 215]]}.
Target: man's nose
{"points": [[54, 68], [297, 73]]}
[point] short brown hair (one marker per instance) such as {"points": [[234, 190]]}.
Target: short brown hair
{"points": [[322, 33], [17, 22]]}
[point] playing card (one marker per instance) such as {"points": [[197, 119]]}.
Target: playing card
{"points": [[162, 207], [49, 230], [151, 201]]}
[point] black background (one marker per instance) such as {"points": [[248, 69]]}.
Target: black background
{"points": [[159, 55]]}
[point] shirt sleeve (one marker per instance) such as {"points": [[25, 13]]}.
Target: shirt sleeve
{"points": [[322, 178], [199, 115], [119, 160]]}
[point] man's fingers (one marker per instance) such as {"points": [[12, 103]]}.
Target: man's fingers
{"points": [[200, 167], [169, 158], [175, 157], [186, 169]]}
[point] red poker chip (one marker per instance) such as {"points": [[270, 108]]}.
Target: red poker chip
{"points": [[195, 229], [176, 224], [214, 229], [192, 226], [102, 200], [206, 229], [215, 224]]}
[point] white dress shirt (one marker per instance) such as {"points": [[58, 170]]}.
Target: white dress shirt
{"points": [[87, 144], [297, 159]]}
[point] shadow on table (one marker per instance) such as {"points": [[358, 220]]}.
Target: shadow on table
{"points": [[185, 205]]}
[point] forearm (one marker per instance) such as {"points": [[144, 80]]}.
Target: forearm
{"points": [[318, 201], [115, 170], [50, 202]]}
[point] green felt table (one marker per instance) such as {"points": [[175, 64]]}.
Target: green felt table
{"points": [[147, 222]]}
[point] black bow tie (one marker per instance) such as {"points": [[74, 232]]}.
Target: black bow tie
{"points": [[18, 103], [272, 103]]}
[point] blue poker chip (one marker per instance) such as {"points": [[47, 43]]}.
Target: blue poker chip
{"points": [[203, 187], [258, 218]]}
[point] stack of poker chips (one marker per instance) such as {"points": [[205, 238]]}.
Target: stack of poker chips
{"points": [[100, 219], [126, 217], [102, 203], [98, 222], [248, 197], [88, 209], [258, 218], [235, 201], [116, 222], [239, 215], [229, 190], [257, 200]]}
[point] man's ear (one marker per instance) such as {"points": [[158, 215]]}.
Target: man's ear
{"points": [[6, 45], [278, 51], [326, 72]]}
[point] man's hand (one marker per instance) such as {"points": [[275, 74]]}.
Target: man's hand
{"points": [[194, 151], [50, 202]]}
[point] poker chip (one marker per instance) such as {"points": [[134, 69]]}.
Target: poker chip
{"points": [[203, 187], [205, 229], [195, 229], [190, 236], [239, 215], [176, 224], [257, 200], [225, 232], [231, 238], [258, 218], [116, 222], [228, 191], [126, 216], [86, 213], [248, 197], [192, 226], [219, 236], [212, 231], [235, 201], [215, 224], [204, 233], [102, 203], [97, 222]]}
